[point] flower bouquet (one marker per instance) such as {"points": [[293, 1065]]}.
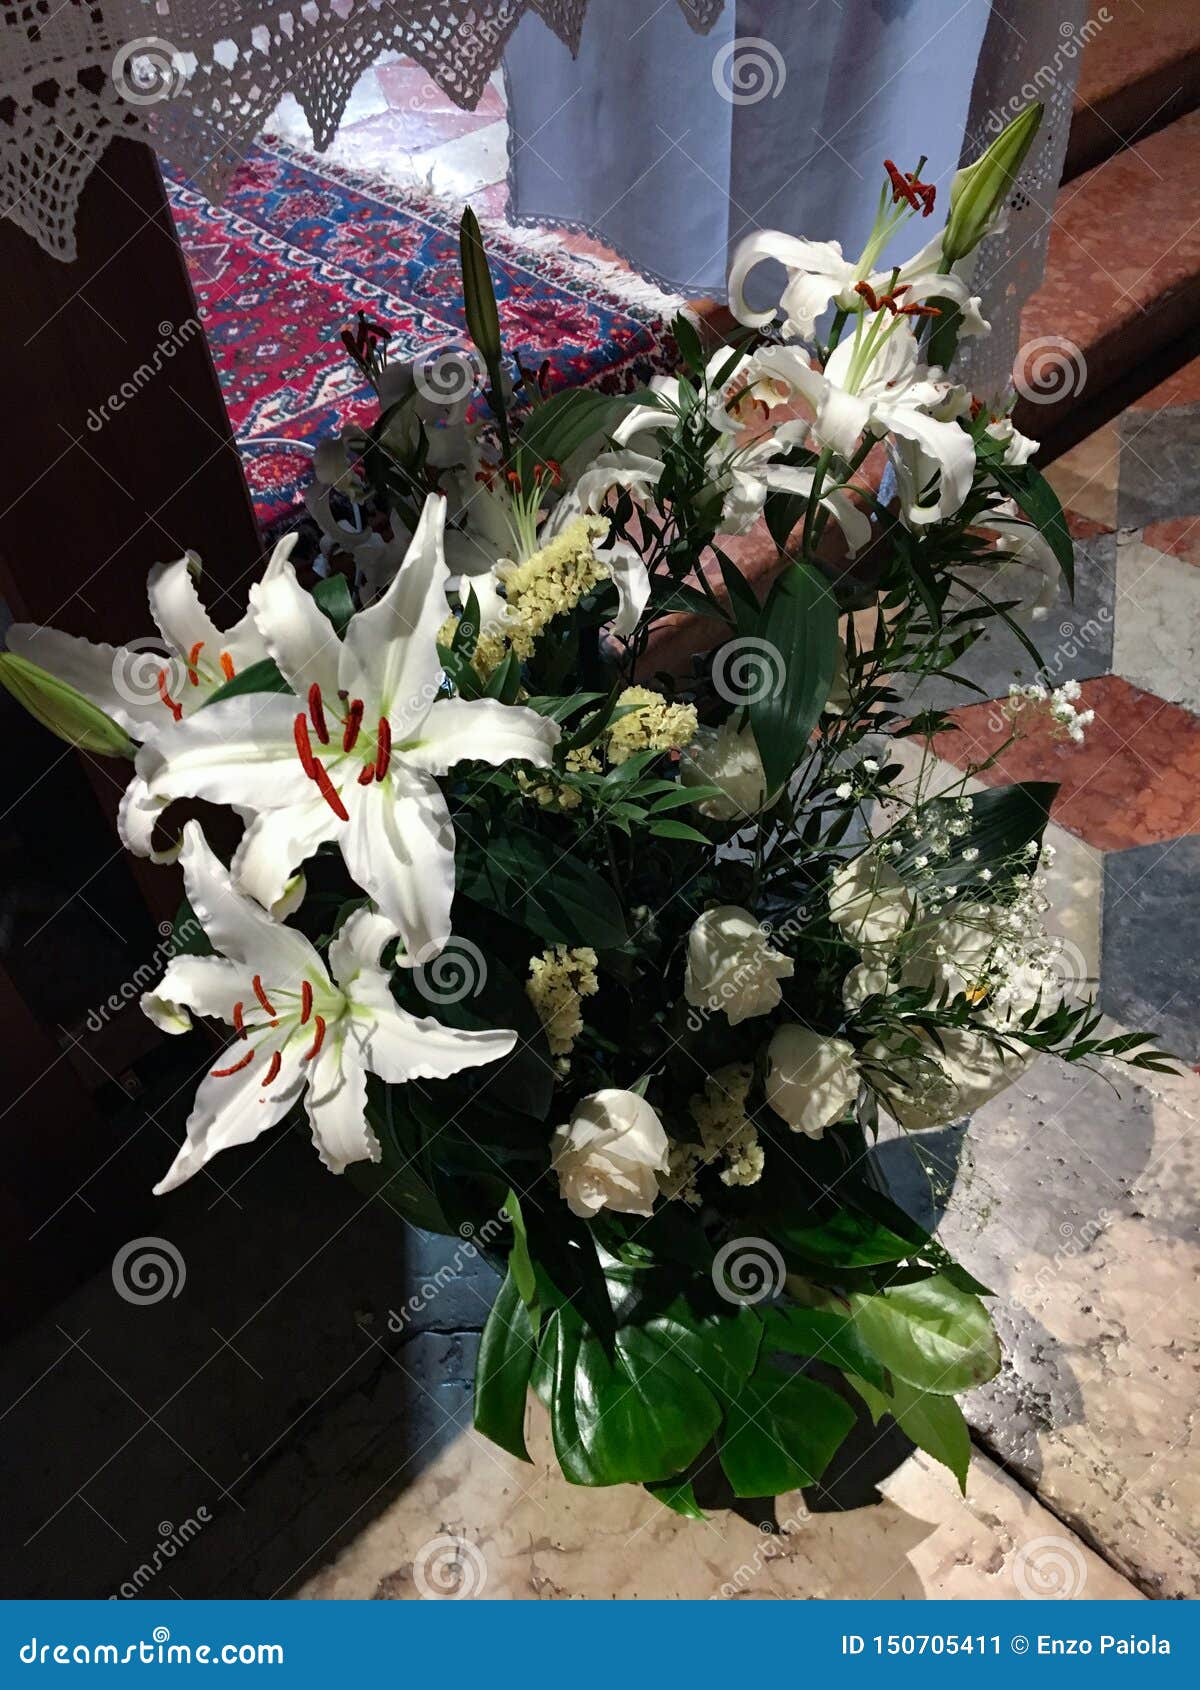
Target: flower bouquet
{"points": [[618, 972]]}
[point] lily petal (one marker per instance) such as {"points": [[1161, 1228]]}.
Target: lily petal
{"points": [[175, 605], [210, 985], [632, 581], [358, 944], [399, 847], [398, 1046], [236, 925], [947, 444], [94, 669], [241, 750], [816, 271], [295, 632], [458, 729], [336, 1104], [232, 1109], [274, 845], [390, 650]]}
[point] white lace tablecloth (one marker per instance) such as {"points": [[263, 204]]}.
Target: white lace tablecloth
{"points": [[199, 78]]}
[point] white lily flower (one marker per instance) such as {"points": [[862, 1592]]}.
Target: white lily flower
{"points": [[875, 383], [1018, 447], [818, 276], [359, 766], [743, 470], [146, 687], [302, 1029]]}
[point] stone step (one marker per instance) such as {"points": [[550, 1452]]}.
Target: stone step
{"points": [[1140, 71], [1117, 309]]}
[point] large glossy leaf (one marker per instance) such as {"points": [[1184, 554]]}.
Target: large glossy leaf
{"points": [[1037, 500], [934, 1423], [641, 1416], [780, 1432], [849, 1239], [642, 1408], [502, 1370], [535, 882], [1004, 821], [825, 1335], [479, 298], [562, 424], [929, 1333], [678, 1495], [333, 599], [792, 667]]}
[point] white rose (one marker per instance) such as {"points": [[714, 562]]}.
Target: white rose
{"points": [[811, 1079], [732, 967], [730, 760], [610, 1155], [949, 1079], [871, 904]]}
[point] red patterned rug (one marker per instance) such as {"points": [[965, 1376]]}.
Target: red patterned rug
{"points": [[299, 246]]}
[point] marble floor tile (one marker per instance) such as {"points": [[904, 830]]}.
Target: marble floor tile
{"points": [[1075, 1199], [1152, 940], [499, 1529], [1135, 779], [1160, 465], [1157, 644], [1085, 478]]}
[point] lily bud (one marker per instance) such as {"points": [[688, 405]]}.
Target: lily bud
{"points": [[979, 190], [60, 708]]}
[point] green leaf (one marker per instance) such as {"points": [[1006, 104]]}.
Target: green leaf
{"points": [[1004, 821], [642, 1409], [479, 297], [520, 1264], [502, 1370], [333, 599], [930, 1334], [675, 597], [678, 1495], [742, 599], [567, 420], [257, 677], [823, 1334], [798, 624], [848, 1239], [679, 830], [640, 1417], [934, 1423], [781, 1432], [531, 880], [1036, 499]]}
